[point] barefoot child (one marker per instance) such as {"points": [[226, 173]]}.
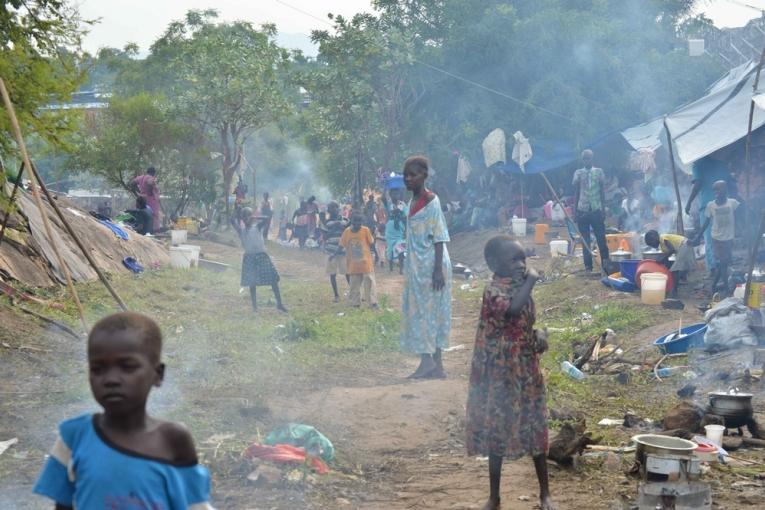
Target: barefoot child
{"points": [[358, 243], [123, 457], [257, 268], [506, 411], [333, 225], [677, 245]]}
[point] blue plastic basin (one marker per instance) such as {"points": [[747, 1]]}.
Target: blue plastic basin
{"points": [[694, 336]]}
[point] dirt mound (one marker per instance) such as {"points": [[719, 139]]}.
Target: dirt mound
{"points": [[27, 256]]}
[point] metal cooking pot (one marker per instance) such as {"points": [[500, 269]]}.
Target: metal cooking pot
{"points": [[652, 254], [655, 444], [619, 255], [731, 403]]}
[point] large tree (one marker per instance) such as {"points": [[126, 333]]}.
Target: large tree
{"points": [[567, 70], [224, 78], [39, 63], [363, 90], [139, 131]]}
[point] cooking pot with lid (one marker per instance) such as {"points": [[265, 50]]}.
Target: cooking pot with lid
{"points": [[734, 406]]}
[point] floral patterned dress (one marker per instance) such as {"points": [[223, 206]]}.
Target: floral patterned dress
{"points": [[506, 410], [426, 314]]}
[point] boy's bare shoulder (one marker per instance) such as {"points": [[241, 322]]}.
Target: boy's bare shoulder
{"points": [[180, 442]]}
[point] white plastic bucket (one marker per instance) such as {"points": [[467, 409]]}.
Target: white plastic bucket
{"points": [[715, 433], [653, 288], [194, 253], [519, 227], [558, 247], [180, 258], [178, 237]]}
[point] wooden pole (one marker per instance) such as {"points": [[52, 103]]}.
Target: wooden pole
{"points": [[748, 156], [753, 258], [36, 195], [680, 228], [10, 202], [77, 241]]}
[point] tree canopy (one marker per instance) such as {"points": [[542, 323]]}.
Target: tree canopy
{"points": [[39, 62]]}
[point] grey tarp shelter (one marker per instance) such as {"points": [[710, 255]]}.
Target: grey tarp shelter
{"points": [[716, 120]]}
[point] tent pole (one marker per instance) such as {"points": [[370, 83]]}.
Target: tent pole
{"points": [[10, 202], [753, 258], [36, 195], [748, 155], [680, 228], [77, 241]]}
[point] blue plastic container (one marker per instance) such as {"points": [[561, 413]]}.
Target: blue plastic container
{"points": [[395, 182], [628, 268], [694, 336], [621, 284]]}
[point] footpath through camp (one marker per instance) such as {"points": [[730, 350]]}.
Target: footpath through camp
{"points": [[234, 377]]}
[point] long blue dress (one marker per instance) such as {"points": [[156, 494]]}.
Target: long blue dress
{"points": [[427, 314]]}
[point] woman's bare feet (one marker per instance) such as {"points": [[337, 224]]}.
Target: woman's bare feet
{"points": [[545, 503], [427, 365], [491, 504]]}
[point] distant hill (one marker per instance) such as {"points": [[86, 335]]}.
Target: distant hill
{"points": [[298, 42]]}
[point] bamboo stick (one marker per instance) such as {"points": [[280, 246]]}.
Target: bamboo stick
{"points": [[680, 227], [36, 195], [10, 202], [77, 241]]}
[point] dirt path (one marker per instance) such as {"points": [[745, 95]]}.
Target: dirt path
{"points": [[408, 436]]}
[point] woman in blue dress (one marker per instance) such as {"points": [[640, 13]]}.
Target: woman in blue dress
{"points": [[427, 298]]}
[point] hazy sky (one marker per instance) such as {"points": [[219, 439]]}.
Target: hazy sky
{"points": [[142, 21]]}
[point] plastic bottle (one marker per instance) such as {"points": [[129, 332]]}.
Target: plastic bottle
{"points": [[572, 371], [669, 371]]}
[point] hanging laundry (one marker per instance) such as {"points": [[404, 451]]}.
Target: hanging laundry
{"points": [[463, 169], [494, 148], [521, 150]]}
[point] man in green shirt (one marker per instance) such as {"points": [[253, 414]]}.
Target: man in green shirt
{"points": [[590, 211]]}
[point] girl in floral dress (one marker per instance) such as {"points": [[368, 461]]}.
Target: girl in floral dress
{"points": [[506, 411]]}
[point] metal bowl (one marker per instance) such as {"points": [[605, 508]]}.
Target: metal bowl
{"points": [[655, 444], [652, 254]]}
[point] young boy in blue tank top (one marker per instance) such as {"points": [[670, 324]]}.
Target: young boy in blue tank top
{"points": [[123, 458]]}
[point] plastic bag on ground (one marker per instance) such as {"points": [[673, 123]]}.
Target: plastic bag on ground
{"points": [[305, 436], [728, 324], [285, 454]]}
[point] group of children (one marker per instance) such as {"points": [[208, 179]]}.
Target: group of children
{"points": [[352, 248], [719, 215], [124, 458]]}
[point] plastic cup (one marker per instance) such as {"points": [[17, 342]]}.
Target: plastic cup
{"points": [[714, 433]]}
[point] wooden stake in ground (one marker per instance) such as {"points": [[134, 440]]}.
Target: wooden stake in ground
{"points": [[10, 201], [36, 195], [77, 240], [680, 228]]}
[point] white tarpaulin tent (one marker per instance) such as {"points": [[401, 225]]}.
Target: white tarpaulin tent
{"points": [[710, 123]]}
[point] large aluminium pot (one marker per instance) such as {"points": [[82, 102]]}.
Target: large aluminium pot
{"points": [[735, 407], [655, 444]]}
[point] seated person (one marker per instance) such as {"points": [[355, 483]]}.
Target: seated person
{"points": [[677, 245], [143, 219]]}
